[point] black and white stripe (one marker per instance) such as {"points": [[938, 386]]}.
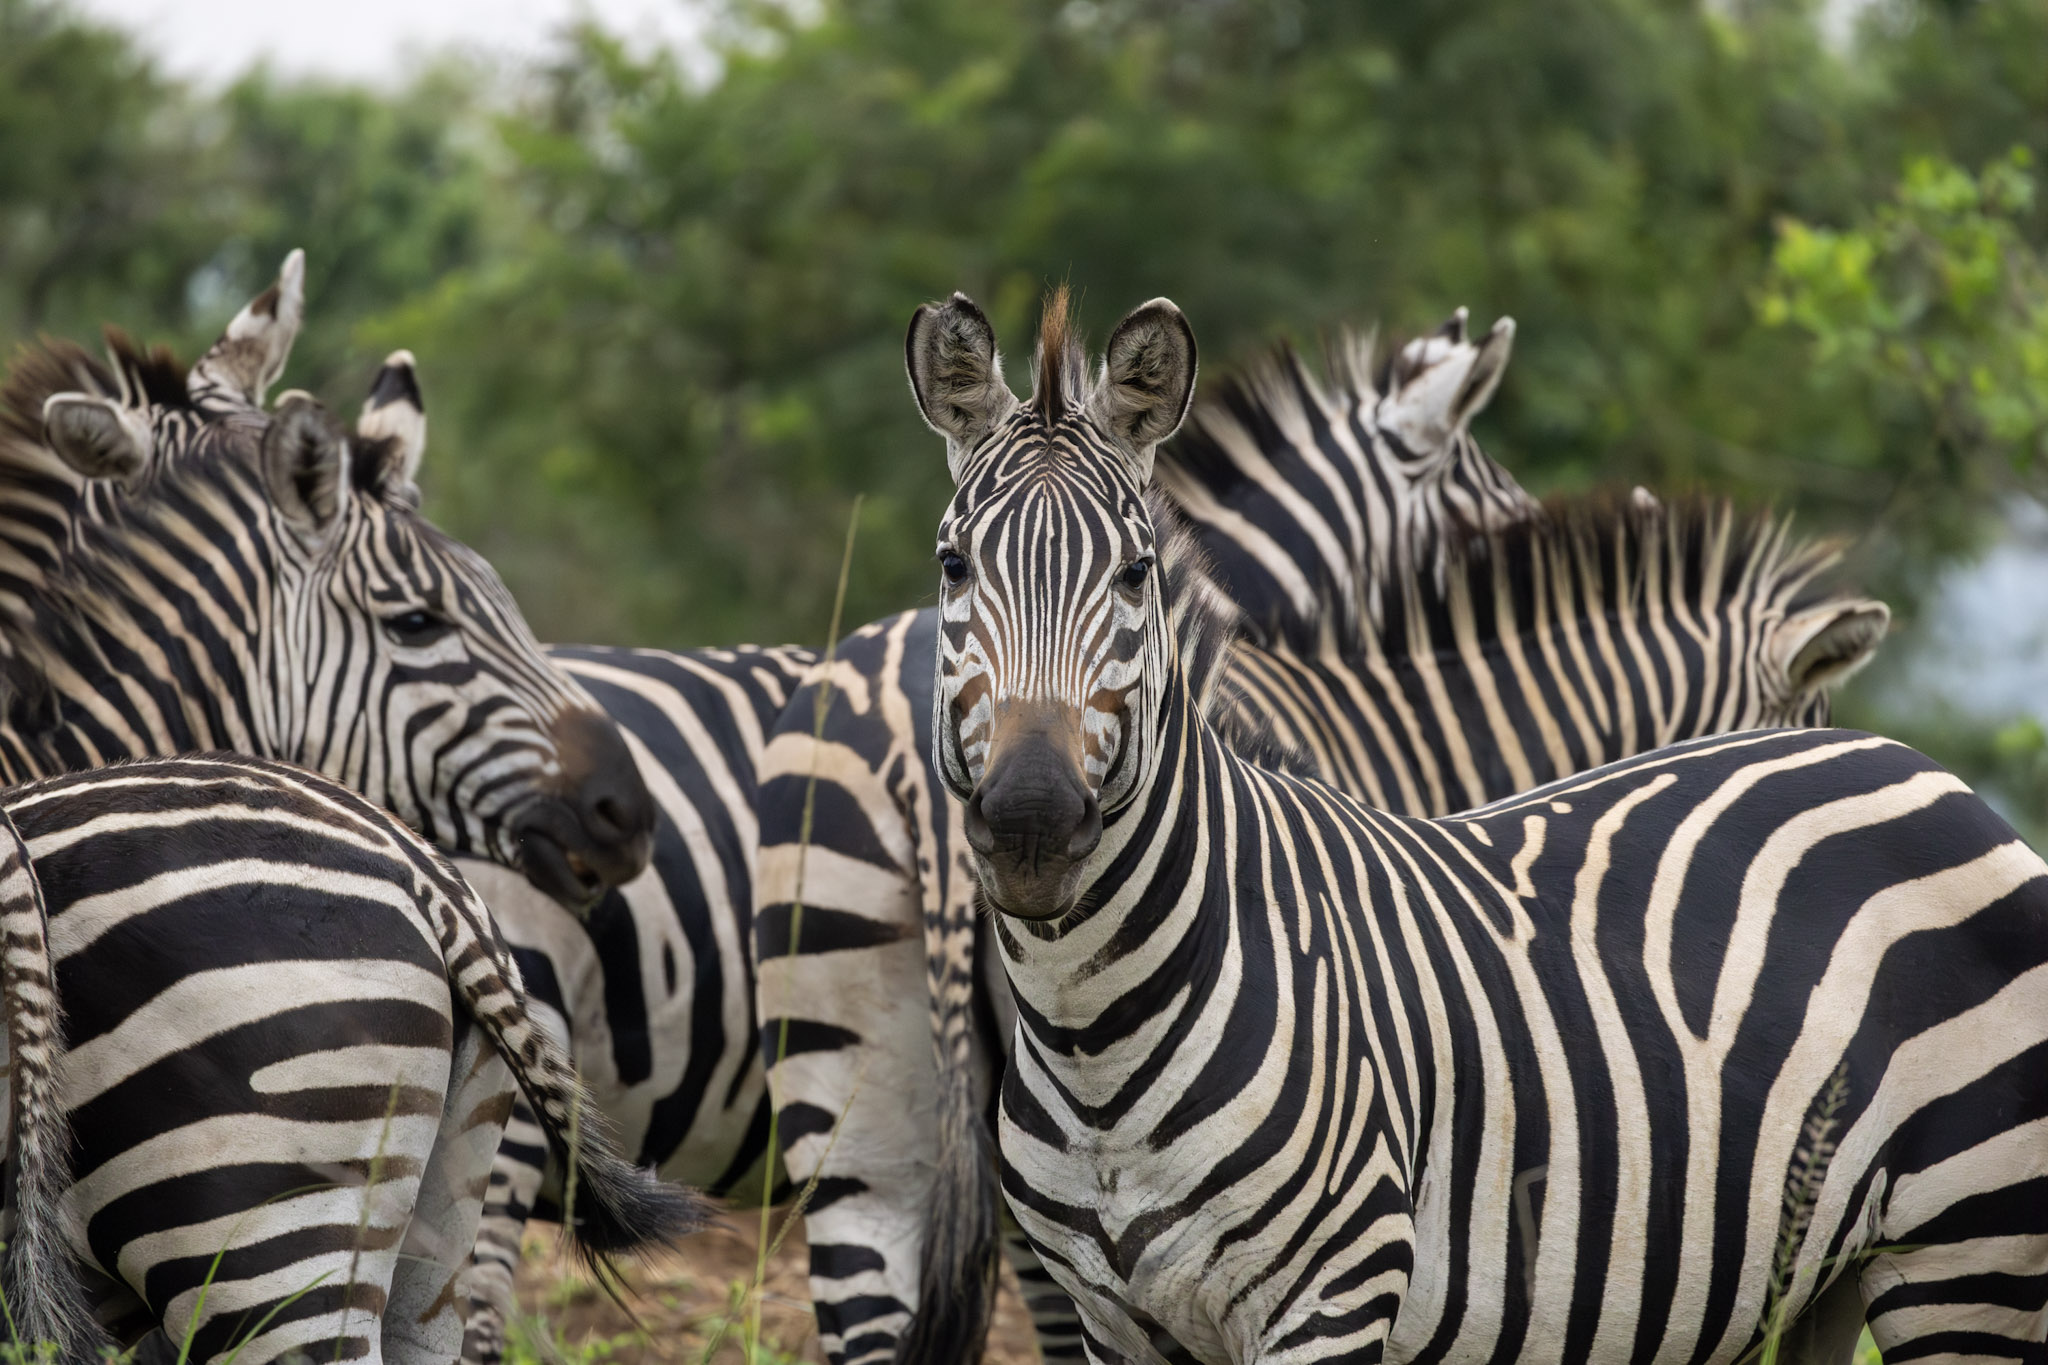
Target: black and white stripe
{"points": [[652, 991], [1309, 491], [185, 569], [279, 1038], [1295, 1080], [1619, 626], [1591, 631]]}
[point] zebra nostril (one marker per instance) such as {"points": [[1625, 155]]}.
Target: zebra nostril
{"points": [[609, 817], [979, 836], [1089, 833]]}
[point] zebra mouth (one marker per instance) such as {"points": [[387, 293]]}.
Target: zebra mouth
{"points": [[1037, 899], [559, 871]]}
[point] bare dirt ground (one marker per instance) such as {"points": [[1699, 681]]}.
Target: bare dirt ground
{"points": [[683, 1300]]}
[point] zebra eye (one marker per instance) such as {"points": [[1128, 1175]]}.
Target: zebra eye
{"points": [[416, 627], [1134, 573], [954, 565]]}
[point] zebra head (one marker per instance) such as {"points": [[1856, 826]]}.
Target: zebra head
{"points": [[227, 575], [1056, 650], [1317, 489]]}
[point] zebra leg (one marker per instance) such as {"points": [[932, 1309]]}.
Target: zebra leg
{"points": [[855, 1090], [267, 1301], [1053, 1315], [486, 1288], [423, 1322]]}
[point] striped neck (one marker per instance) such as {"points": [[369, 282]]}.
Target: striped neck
{"points": [[119, 665], [1143, 930]]}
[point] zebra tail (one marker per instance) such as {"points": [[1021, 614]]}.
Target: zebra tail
{"points": [[45, 1301], [956, 1274], [614, 1205]]}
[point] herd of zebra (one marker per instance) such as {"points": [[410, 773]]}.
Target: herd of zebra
{"points": [[1297, 896]]}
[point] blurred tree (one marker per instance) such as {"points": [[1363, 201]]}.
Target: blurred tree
{"points": [[690, 361], [659, 314], [95, 150], [1933, 307]]}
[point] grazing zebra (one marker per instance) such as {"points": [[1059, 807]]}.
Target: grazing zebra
{"points": [[268, 1032], [183, 569], [1745, 1029], [1652, 623]]}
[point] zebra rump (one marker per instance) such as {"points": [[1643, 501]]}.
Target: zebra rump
{"points": [[197, 890]]}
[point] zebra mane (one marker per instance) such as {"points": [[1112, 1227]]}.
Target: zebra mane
{"points": [[1256, 468], [1207, 625], [134, 376], [1613, 551], [1059, 370]]}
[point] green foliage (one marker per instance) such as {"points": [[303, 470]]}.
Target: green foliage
{"points": [[659, 315], [691, 362], [1932, 307], [532, 1341]]}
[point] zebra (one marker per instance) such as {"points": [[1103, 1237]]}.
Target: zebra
{"points": [[1588, 633], [653, 990], [1655, 623], [259, 1036], [1307, 491], [1761, 1013], [184, 569]]}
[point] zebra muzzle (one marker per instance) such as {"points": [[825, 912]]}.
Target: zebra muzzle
{"points": [[597, 830], [1031, 822]]}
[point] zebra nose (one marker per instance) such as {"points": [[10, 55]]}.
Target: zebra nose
{"points": [[1032, 812], [612, 805]]}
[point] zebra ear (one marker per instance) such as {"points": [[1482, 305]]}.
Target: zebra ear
{"points": [[956, 375], [305, 465], [97, 437], [1823, 645], [393, 426], [252, 352], [1148, 379], [1439, 383]]}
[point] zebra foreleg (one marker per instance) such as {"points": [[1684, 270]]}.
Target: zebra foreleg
{"points": [[1053, 1315]]}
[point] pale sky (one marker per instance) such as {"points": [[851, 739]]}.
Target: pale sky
{"points": [[215, 40]]}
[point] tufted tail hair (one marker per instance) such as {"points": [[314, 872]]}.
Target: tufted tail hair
{"points": [[45, 1302], [614, 1205]]}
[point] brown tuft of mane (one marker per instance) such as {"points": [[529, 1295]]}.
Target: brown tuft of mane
{"points": [[1061, 368]]}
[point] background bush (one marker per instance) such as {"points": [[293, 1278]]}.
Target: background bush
{"points": [[659, 316]]}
